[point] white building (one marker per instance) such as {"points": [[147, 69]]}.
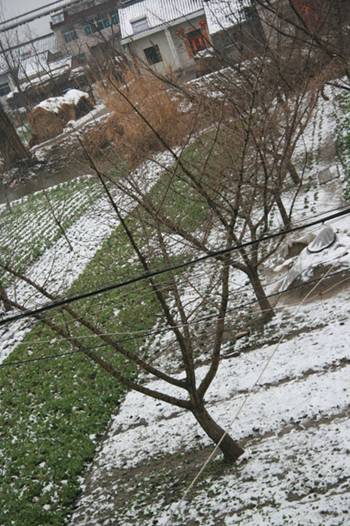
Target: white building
{"points": [[165, 35]]}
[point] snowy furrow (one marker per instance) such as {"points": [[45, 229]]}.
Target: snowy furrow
{"points": [[301, 479], [268, 410], [58, 268]]}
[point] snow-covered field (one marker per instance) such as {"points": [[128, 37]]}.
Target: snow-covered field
{"points": [[295, 423], [60, 266], [29, 228]]}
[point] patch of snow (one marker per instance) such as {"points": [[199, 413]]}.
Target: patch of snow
{"points": [[54, 104], [58, 268]]}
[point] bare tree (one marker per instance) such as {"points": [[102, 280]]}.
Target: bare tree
{"points": [[241, 174], [321, 28], [4, 299], [11, 147]]}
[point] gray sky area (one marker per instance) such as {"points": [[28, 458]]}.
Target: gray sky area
{"points": [[12, 8]]}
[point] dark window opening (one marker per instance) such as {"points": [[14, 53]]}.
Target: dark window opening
{"points": [[115, 18], [153, 55], [69, 36], [4, 89]]}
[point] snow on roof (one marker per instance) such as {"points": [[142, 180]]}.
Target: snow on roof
{"points": [[31, 58], [157, 13], [223, 14], [39, 66], [54, 104]]}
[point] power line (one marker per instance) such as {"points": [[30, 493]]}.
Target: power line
{"points": [[35, 14], [149, 275], [156, 333]]}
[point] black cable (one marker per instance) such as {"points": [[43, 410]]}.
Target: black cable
{"points": [[148, 275], [161, 331]]}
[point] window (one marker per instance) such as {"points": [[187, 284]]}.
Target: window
{"points": [[197, 41], [69, 36], [57, 18], [81, 58], [249, 13], [115, 18], [88, 30], [153, 55], [95, 25], [4, 89], [139, 25]]}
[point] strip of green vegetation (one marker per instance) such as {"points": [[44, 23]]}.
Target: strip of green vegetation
{"points": [[343, 143], [28, 228], [53, 412]]}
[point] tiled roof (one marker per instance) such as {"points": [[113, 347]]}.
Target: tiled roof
{"points": [[157, 12]]}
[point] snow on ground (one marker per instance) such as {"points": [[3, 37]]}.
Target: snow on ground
{"points": [[294, 358], [30, 226], [307, 382], [54, 104], [59, 267], [295, 422], [299, 479]]}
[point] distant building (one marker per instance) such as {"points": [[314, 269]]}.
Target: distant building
{"points": [[234, 28], [87, 29], [6, 84], [27, 62], [165, 34], [183, 35]]}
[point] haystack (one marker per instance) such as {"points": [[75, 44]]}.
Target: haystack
{"points": [[49, 118]]}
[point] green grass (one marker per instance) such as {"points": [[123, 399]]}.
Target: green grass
{"points": [[28, 229], [343, 143], [52, 412]]}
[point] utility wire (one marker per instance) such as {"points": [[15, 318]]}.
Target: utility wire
{"points": [[148, 275], [135, 335], [156, 333]]}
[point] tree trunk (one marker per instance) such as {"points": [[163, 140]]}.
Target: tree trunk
{"points": [[11, 147], [230, 449], [283, 211], [4, 298], [263, 300], [293, 173]]}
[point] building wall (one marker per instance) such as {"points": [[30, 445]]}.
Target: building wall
{"points": [[77, 21], [182, 45], [5, 79], [329, 20], [136, 50], [184, 54], [241, 41]]}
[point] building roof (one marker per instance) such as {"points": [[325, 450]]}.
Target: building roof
{"points": [[42, 45], [158, 13], [223, 14], [31, 51], [38, 67]]}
